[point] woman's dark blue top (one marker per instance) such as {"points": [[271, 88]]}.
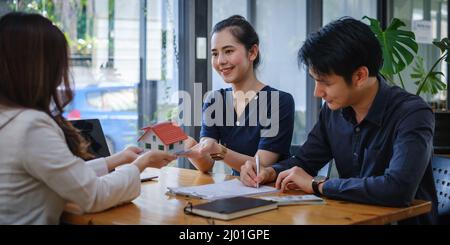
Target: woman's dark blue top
{"points": [[267, 122]]}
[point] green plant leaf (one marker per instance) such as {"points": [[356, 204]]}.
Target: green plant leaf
{"points": [[399, 46], [444, 46], [434, 82]]}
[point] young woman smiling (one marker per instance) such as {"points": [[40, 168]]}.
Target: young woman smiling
{"points": [[235, 57]]}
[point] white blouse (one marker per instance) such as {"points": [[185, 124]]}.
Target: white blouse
{"points": [[39, 174]]}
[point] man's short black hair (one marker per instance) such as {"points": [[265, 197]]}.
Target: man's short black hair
{"points": [[341, 47]]}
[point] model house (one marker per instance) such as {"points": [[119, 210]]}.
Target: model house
{"points": [[165, 136]]}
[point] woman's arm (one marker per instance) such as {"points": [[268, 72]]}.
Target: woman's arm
{"points": [[103, 166], [202, 162], [48, 159], [200, 155], [235, 159], [127, 155]]}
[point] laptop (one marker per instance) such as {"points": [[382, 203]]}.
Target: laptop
{"points": [[91, 130]]}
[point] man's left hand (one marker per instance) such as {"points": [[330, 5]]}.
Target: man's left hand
{"points": [[295, 178]]}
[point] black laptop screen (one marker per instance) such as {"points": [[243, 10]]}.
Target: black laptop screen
{"points": [[92, 131]]}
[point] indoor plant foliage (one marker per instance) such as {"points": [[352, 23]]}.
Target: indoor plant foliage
{"points": [[400, 50]]}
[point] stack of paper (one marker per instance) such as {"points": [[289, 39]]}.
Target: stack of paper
{"points": [[225, 189]]}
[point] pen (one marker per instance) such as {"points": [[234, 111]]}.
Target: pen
{"points": [[257, 168], [148, 178]]}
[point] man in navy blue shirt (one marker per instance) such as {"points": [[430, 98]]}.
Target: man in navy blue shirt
{"points": [[380, 137]]}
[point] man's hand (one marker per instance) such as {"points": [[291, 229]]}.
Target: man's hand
{"points": [[295, 178], [248, 174]]}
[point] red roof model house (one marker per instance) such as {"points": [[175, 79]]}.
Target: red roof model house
{"points": [[164, 136]]}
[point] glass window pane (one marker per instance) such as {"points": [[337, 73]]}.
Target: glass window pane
{"points": [[162, 51], [335, 9], [282, 30], [435, 12], [103, 36], [120, 100]]}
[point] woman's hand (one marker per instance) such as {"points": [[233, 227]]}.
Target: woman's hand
{"points": [[127, 155], [209, 146], [248, 174], [154, 159], [202, 161], [204, 149], [192, 148]]}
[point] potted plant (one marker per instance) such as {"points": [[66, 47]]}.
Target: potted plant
{"points": [[399, 51]]}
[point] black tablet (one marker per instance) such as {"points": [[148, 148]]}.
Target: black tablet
{"points": [[92, 131]]}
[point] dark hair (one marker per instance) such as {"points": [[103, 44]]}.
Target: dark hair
{"points": [[34, 62], [341, 47], [242, 31]]}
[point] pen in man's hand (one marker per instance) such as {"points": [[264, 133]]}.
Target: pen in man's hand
{"points": [[257, 169]]}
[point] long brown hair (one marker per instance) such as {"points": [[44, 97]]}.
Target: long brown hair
{"points": [[34, 71]]}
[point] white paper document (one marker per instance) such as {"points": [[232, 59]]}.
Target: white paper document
{"points": [[225, 189]]}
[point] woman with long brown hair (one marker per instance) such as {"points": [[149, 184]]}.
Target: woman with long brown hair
{"points": [[43, 158]]}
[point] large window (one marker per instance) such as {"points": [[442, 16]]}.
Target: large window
{"points": [[113, 100], [282, 30], [162, 52], [104, 42], [435, 13], [104, 38], [335, 9]]}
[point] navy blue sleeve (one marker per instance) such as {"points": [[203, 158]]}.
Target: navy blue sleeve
{"points": [[208, 130], [314, 153], [398, 185], [279, 140]]}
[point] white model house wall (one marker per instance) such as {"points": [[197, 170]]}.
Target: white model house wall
{"points": [[156, 143]]}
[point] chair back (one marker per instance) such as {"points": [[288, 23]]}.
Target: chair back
{"points": [[441, 173]]}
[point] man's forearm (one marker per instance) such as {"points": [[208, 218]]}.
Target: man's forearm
{"points": [[285, 164]]}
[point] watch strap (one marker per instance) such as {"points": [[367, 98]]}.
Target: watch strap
{"points": [[315, 186]]}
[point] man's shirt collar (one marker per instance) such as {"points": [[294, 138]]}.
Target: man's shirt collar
{"points": [[377, 109]]}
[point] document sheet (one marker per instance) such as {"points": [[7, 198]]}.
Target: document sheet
{"points": [[225, 189]]}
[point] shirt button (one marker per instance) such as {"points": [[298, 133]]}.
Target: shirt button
{"points": [[357, 129], [238, 123]]}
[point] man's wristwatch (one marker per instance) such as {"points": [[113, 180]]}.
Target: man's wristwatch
{"points": [[316, 182], [220, 155]]}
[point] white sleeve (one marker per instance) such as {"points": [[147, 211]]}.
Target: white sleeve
{"points": [[48, 158], [99, 166]]}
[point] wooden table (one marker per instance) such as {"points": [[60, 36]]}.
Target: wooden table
{"points": [[154, 206]]}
